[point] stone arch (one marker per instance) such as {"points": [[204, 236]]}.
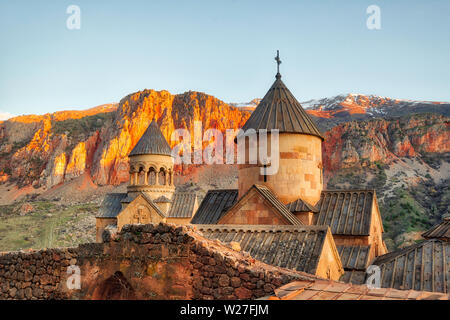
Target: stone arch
{"points": [[162, 178], [142, 174], [152, 175], [116, 287]]}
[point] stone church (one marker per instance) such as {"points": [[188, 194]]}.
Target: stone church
{"points": [[151, 194], [286, 219]]}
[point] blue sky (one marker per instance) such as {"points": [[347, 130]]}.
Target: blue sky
{"points": [[223, 48]]}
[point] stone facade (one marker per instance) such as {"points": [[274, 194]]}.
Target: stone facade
{"points": [[139, 211], [142, 262], [251, 210], [300, 169]]}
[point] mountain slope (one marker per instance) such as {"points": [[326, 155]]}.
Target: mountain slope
{"points": [[371, 142]]}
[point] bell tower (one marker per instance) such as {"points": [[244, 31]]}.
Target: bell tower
{"points": [[151, 165], [299, 174]]}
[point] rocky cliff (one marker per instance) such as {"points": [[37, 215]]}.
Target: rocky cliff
{"points": [[44, 151], [363, 143], [387, 144]]}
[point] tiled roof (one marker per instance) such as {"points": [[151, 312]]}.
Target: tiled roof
{"points": [[111, 205], [354, 257], [280, 110], [423, 266], [354, 276], [355, 260], [292, 247], [439, 231], [152, 142], [332, 290], [214, 206], [183, 204], [300, 205], [162, 199], [347, 212]]}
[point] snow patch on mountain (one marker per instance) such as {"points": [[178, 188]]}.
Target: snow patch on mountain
{"points": [[5, 115]]}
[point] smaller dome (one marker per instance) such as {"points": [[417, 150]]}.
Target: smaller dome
{"points": [[152, 142]]}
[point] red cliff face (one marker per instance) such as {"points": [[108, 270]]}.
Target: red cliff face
{"points": [[59, 147], [44, 151], [135, 112], [356, 144]]}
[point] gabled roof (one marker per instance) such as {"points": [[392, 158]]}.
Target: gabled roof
{"points": [[152, 142], [292, 247], [162, 199], [347, 212], [183, 204], [332, 290], [280, 110], [151, 203], [423, 266], [215, 204], [269, 196], [111, 205], [300, 205], [439, 231]]}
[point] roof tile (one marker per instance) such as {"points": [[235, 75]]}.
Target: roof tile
{"points": [[152, 142], [274, 244], [280, 110]]}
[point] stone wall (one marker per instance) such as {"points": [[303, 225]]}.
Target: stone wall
{"points": [[34, 275], [142, 262]]}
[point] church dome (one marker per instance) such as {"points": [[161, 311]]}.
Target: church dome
{"points": [[152, 142], [280, 110]]}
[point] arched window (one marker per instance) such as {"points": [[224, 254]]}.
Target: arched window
{"points": [[162, 176], [152, 176], [141, 176]]}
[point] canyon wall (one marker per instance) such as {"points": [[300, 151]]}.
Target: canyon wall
{"points": [[44, 151], [359, 144]]}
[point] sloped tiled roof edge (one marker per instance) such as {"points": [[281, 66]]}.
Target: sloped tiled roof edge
{"points": [[350, 217], [439, 231], [301, 205], [333, 290], [421, 266], [182, 205], [354, 257], [111, 205], [289, 246], [214, 205]]}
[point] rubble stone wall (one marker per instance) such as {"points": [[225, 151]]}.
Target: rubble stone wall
{"points": [[142, 262]]}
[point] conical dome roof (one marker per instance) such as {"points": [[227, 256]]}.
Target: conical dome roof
{"points": [[280, 110], [152, 142]]}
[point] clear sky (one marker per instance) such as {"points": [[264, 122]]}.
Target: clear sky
{"points": [[225, 48]]}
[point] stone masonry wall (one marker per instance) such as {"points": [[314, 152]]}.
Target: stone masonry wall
{"points": [[142, 262], [34, 275]]}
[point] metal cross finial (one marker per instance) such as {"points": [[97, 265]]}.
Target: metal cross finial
{"points": [[277, 59]]}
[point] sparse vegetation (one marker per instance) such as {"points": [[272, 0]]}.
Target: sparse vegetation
{"points": [[77, 127], [47, 225]]}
